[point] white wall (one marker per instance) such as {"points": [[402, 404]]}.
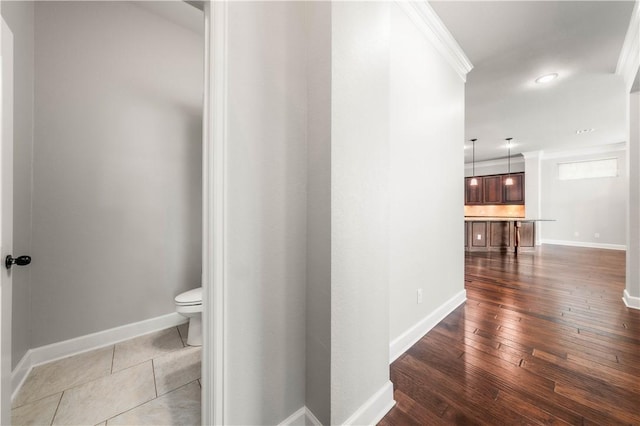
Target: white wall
{"points": [[19, 16], [310, 116], [266, 211], [426, 162], [318, 297], [585, 206], [359, 205], [633, 249], [532, 194], [117, 175]]}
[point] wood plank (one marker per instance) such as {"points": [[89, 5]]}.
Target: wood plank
{"points": [[417, 412], [543, 338], [476, 405]]}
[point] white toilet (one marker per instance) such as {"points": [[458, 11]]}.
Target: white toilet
{"points": [[189, 304]]}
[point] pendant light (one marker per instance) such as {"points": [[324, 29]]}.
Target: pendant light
{"points": [[509, 181], [474, 181]]}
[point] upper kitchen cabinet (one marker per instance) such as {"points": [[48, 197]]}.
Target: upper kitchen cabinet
{"points": [[492, 190], [514, 194], [473, 194]]}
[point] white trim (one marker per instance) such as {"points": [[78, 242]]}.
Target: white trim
{"points": [[545, 155], [7, 115], [432, 27], [214, 196], [588, 150], [629, 59], [532, 154], [302, 417], [400, 344], [296, 418], [498, 162], [311, 419], [100, 339], [20, 373], [584, 244], [630, 301], [375, 408]]}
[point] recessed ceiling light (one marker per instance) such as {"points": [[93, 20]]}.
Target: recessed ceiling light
{"points": [[579, 132], [546, 78]]}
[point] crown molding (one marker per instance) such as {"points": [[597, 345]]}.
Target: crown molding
{"points": [[515, 159], [589, 150], [629, 59], [543, 155], [532, 154], [434, 30]]}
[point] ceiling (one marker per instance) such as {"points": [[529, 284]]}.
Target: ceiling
{"points": [[187, 14], [511, 43]]}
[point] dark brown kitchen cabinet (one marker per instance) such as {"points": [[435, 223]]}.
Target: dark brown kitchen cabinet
{"points": [[473, 194], [514, 194], [466, 235], [527, 234], [478, 234], [492, 190], [499, 236]]}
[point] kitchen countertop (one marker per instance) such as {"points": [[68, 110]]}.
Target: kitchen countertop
{"points": [[504, 219]]}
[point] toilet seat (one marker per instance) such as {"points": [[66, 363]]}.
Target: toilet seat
{"points": [[189, 298]]}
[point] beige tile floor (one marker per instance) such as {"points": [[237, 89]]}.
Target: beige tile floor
{"points": [[150, 380]]}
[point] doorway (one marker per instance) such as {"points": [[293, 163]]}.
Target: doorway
{"points": [[138, 164]]}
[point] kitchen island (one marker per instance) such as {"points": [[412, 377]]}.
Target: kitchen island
{"points": [[500, 233]]}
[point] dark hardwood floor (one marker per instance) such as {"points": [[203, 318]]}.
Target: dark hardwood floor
{"points": [[543, 338]]}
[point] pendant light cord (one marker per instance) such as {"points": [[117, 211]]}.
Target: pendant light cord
{"points": [[473, 164], [509, 156]]}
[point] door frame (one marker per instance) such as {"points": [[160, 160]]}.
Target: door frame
{"points": [[214, 143], [6, 215], [214, 199]]}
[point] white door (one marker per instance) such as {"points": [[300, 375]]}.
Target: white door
{"points": [[6, 217]]}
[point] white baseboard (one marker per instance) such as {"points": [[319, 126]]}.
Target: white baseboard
{"points": [[54, 351], [20, 373], [370, 413], [375, 408], [400, 344], [631, 301], [584, 244], [311, 419], [302, 417]]}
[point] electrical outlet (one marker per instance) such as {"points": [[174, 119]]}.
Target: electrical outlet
{"points": [[597, 235], [479, 237], [576, 234], [419, 296]]}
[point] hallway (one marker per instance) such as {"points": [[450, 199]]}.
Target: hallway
{"points": [[543, 338]]}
